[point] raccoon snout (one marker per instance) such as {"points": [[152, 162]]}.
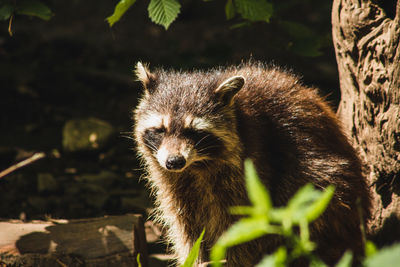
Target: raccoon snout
{"points": [[175, 162]]}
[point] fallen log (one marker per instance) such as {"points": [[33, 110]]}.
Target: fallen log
{"points": [[107, 241]]}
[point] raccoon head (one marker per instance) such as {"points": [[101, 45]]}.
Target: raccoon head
{"points": [[182, 121]]}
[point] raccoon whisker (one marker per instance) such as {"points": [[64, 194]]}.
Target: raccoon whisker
{"points": [[150, 145], [198, 142], [206, 148], [127, 137]]}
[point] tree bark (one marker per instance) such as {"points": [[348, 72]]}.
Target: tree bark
{"points": [[367, 45]]}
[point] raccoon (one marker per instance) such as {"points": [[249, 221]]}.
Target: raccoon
{"points": [[195, 129]]}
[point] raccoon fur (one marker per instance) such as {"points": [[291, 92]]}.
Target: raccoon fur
{"points": [[195, 129]]}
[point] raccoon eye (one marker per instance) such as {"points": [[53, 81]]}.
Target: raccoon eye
{"points": [[192, 133], [160, 130], [153, 137]]}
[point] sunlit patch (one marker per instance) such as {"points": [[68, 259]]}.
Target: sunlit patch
{"points": [[153, 120], [197, 123], [162, 155]]}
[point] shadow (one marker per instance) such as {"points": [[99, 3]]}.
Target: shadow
{"points": [[389, 233], [385, 186], [105, 241], [36, 242]]}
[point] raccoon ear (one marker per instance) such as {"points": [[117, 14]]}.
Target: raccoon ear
{"points": [[228, 89], [145, 76]]}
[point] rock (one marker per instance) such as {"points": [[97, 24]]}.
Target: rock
{"points": [[86, 135]]}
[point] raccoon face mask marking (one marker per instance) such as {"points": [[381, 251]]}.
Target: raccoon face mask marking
{"points": [[177, 149], [175, 139]]}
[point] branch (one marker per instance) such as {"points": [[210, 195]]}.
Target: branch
{"points": [[23, 163]]}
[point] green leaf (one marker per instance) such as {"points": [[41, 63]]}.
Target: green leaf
{"points": [[34, 8], [254, 10], [229, 10], [194, 252], [277, 259], [243, 210], [346, 260], [240, 232], [308, 203], [163, 12], [258, 194], [388, 256], [320, 204], [297, 30], [370, 248], [306, 42], [6, 11], [138, 260], [309, 47], [119, 11]]}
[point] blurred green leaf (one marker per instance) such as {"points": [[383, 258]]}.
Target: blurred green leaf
{"points": [[297, 30], [242, 210], [320, 204], [258, 194], [278, 259], [306, 42], [310, 47], [370, 248], [6, 11], [163, 12], [229, 10], [254, 10], [242, 231], [387, 256], [138, 260], [308, 203], [34, 8], [345, 260], [194, 252], [119, 11]]}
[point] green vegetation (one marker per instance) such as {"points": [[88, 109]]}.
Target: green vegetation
{"points": [[303, 40], [262, 218], [194, 252], [164, 12]]}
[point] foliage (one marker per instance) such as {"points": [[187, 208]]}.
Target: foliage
{"points": [[119, 10], [138, 260], [194, 252], [262, 219], [253, 10], [164, 12], [25, 7], [33, 8], [388, 256], [304, 41]]}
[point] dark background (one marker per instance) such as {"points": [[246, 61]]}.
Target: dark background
{"points": [[74, 66]]}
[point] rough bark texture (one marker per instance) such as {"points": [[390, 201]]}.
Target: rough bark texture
{"points": [[368, 55]]}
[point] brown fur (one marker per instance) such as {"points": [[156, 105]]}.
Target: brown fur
{"points": [[289, 132]]}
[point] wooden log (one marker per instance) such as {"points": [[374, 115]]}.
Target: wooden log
{"points": [[107, 241]]}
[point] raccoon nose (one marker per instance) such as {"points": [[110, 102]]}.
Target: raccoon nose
{"points": [[175, 162]]}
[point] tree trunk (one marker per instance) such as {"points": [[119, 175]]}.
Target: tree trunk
{"points": [[368, 56]]}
